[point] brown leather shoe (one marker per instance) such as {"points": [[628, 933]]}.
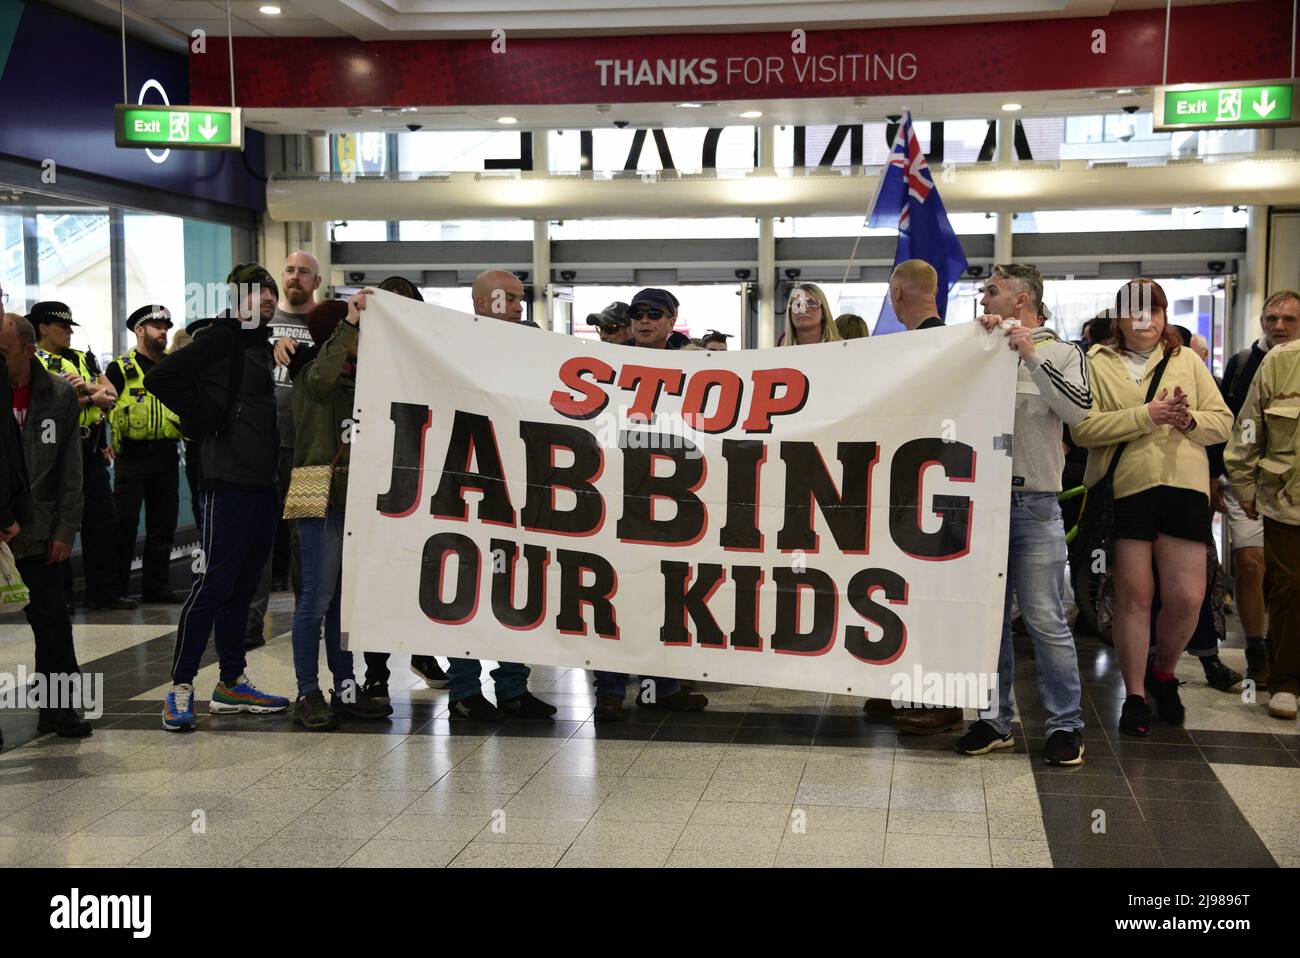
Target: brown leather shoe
{"points": [[881, 709], [929, 721], [886, 709], [609, 708]]}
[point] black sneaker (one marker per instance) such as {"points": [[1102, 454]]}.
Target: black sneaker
{"points": [[982, 738], [1135, 716], [609, 708], [1165, 694], [427, 668], [353, 702], [65, 723], [311, 712], [1257, 667], [1219, 676], [1064, 747], [527, 706], [475, 709], [254, 640], [679, 701], [376, 690]]}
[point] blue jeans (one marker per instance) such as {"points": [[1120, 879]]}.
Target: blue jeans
{"points": [[320, 544], [1035, 564], [615, 683], [464, 679]]}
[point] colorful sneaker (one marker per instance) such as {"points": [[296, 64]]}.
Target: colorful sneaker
{"points": [[178, 709], [242, 696]]}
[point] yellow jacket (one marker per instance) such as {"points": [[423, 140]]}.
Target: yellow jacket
{"points": [[1262, 456], [1155, 455]]}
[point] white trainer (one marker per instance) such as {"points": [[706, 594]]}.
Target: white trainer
{"points": [[1282, 705]]}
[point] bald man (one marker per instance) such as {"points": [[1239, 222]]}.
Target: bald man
{"points": [[913, 287], [498, 294], [298, 284]]}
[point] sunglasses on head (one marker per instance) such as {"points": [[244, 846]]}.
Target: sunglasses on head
{"points": [[653, 313]]}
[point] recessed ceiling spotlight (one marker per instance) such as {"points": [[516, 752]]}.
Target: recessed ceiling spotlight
{"points": [[507, 120], [1011, 107], [752, 114], [269, 10]]}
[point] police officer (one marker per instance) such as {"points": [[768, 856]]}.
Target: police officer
{"points": [[147, 471], [54, 322]]}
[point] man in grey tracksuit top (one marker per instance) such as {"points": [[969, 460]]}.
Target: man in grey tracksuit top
{"points": [[1051, 389]]}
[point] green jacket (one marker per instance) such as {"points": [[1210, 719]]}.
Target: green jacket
{"points": [[323, 397]]}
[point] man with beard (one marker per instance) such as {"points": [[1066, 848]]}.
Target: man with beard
{"points": [[301, 279], [146, 435]]}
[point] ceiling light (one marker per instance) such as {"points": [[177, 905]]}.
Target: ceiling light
{"points": [[270, 11], [1127, 91], [752, 114], [507, 120], [689, 106], [1011, 107]]}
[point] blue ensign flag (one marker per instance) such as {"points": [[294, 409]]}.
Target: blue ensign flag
{"points": [[906, 197]]}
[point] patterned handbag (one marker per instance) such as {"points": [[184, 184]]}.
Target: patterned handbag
{"points": [[309, 490]]}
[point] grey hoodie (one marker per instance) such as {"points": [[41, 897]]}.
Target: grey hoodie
{"points": [[1051, 388]]}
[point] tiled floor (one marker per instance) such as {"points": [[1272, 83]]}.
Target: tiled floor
{"points": [[764, 777]]}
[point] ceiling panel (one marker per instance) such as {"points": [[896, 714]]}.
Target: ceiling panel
{"points": [[217, 28]]}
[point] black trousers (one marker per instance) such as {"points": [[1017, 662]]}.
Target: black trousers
{"points": [[98, 524], [47, 614], [147, 474]]}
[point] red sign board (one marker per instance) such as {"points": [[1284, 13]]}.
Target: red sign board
{"points": [[1228, 41]]}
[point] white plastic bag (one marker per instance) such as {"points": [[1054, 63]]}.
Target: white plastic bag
{"points": [[13, 591]]}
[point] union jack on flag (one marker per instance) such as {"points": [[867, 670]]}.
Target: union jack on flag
{"points": [[906, 197]]}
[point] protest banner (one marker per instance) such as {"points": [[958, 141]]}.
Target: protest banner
{"points": [[831, 517]]}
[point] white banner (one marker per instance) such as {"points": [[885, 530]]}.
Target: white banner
{"points": [[832, 517]]}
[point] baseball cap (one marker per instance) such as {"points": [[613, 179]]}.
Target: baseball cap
{"points": [[147, 314], [658, 298], [253, 274], [615, 314], [710, 335], [51, 311]]}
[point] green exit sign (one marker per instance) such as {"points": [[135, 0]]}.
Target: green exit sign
{"points": [[1225, 107], [179, 127]]}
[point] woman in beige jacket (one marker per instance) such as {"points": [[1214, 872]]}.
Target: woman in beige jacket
{"points": [[1162, 489]]}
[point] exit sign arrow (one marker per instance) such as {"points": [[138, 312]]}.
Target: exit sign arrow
{"points": [[1226, 106], [146, 126]]}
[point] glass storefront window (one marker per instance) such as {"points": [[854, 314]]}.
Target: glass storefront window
{"points": [[656, 229], [1101, 221], [13, 276], [74, 268], [464, 230], [347, 231]]}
